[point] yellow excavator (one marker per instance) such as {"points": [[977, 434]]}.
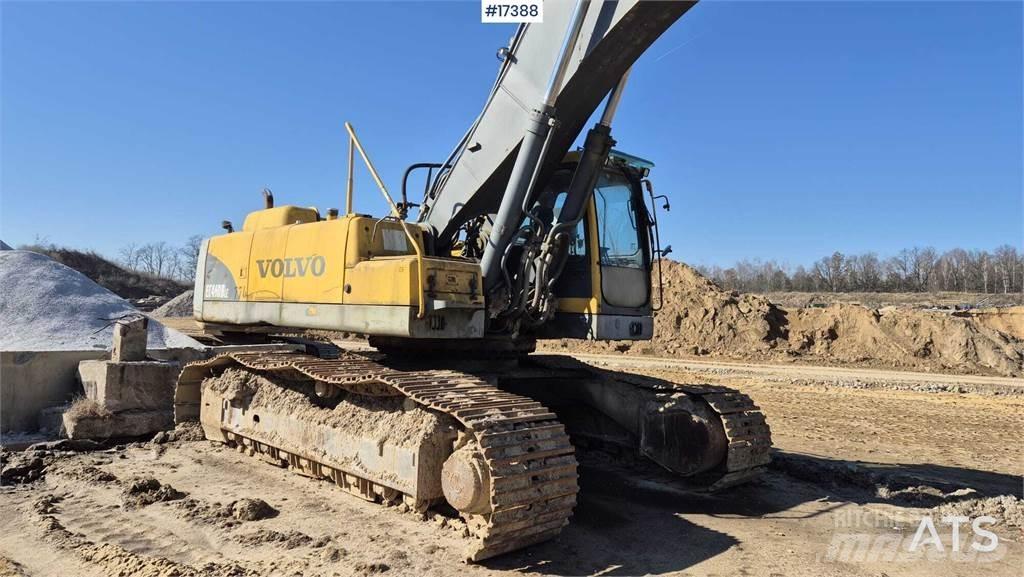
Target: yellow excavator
{"points": [[517, 238]]}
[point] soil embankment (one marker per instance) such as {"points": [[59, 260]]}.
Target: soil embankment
{"points": [[700, 319]]}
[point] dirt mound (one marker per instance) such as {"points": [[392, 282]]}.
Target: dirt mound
{"points": [[903, 338], [370, 568], [146, 491], [288, 539], [81, 472], [179, 306], [9, 567], [252, 510], [17, 468], [124, 283], [1007, 320], [1006, 509], [208, 513], [699, 318], [187, 432]]}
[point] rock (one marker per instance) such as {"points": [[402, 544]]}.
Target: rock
{"points": [[20, 468], [371, 568], [252, 510], [146, 491], [124, 424], [332, 554], [67, 445]]}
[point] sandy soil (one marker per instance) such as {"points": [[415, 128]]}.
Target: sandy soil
{"points": [[850, 461], [699, 319]]}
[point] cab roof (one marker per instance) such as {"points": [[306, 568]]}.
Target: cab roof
{"points": [[615, 156]]}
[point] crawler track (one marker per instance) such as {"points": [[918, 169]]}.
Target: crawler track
{"points": [[747, 430], [750, 438], [532, 469]]}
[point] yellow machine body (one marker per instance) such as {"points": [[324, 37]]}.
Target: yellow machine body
{"points": [[289, 268]]}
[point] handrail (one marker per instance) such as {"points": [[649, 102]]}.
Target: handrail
{"points": [[353, 140]]}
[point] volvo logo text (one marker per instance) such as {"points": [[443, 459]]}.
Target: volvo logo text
{"points": [[292, 267]]}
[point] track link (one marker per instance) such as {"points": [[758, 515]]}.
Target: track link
{"points": [[531, 465]]}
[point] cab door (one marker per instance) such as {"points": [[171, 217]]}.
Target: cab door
{"points": [[622, 242]]}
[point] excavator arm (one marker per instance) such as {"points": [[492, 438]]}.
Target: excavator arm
{"points": [[553, 77]]}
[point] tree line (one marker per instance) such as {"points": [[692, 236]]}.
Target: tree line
{"points": [[910, 270], [163, 259]]}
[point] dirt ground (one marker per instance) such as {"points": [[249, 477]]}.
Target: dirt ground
{"points": [[861, 457]]}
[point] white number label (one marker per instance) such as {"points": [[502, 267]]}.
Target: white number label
{"points": [[510, 11]]}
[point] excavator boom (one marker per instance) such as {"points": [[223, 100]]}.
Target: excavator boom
{"points": [[611, 36]]}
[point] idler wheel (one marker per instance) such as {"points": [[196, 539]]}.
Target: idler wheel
{"points": [[466, 482], [326, 391]]}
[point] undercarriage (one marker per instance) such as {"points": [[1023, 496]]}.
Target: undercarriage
{"points": [[493, 441]]}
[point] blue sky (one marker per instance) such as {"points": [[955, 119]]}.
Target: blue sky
{"points": [[780, 130]]}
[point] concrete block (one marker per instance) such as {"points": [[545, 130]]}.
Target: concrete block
{"points": [[123, 386], [115, 425], [130, 337], [30, 381], [51, 419]]}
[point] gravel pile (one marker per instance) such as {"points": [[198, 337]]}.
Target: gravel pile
{"points": [[179, 306], [46, 306]]}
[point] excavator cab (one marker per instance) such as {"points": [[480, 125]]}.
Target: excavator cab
{"points": [[604, 290]]}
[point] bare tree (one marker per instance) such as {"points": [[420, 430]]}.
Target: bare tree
{"points": [[898, 270], [958, 268], [980, 270], [156, 258], [129, 256], [190, 257], [831, 270], [1005, 263], [864, 272], [923, 264]]}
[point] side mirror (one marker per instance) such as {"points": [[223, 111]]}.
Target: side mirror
{"points": [[650, 191], [226, 225], [667, 250]]}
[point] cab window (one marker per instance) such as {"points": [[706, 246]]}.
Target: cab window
{"points": [[618, 229]]}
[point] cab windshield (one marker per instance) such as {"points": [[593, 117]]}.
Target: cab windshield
{"points": [[617, 224]]}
